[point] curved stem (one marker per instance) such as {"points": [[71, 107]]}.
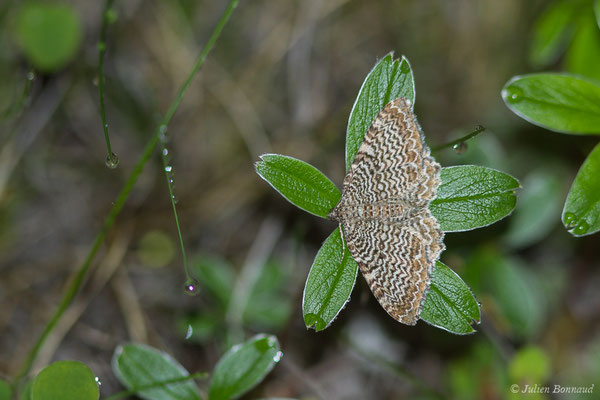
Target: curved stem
{"points": [[101, 51], [463, 139]]}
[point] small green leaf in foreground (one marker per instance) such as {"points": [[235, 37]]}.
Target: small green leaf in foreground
{"points": [[388, 80], [65, 380], [581, 214], [329, 283], [300, 183], [472, 197], [137, 366], [244, 366], [449, 303], [559, 102]]}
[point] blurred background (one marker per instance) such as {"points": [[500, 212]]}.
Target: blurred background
{"points": [[283, 78]]}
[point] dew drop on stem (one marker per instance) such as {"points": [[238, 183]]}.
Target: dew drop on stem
{"points": [[191, 287], [460, 148], [112, 161]]}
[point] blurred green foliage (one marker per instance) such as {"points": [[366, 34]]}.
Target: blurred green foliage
{"points": [[49, 34]]}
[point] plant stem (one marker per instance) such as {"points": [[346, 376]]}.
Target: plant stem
{"points": [[168, 175], [471, 135], [101, 51], [125, 393], [75, 284]]}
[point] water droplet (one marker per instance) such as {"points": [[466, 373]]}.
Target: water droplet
{"points": [[95, 81], [581, 228], [162, 134], [30, 76], [513, 94], [165, 152], [460, 148], [106, 126], [112, 161], [97, 379], [189, 332], [168, 168], [191, 287], [570, 220], [277, 357]]}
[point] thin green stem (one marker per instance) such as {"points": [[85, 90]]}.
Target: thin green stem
{"points": [[458, 141], [77, 281], [106, 20], [169, 176], [125, 393]]}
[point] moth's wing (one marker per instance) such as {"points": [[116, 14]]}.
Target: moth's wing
{"points": [[393, 162], [396, 261]]}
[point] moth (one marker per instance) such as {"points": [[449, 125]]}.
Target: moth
{"points": [[384, 211]]}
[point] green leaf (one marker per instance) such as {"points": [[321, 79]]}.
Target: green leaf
{"points": [[583, 56], [515, 296], [65, 380], [551, 33], [559, 102], [49, 34], [581, 215], [539, 204], [597, 11], [472, 197], [268, 306], [137, 365], [449, 303], [329, 283], [530, 364], [243, 367], [300, 183], [216, 275], [155, 249], [388, 80], [5, 390]]}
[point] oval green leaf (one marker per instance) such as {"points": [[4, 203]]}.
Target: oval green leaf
{"points": [[388, 80], [329, 283], [300, 183], [472, 197], [450, 304], [551, 33], [141, 368], [559, 102], [49, 34], [581, 214], [244, 366], [540, 201], [65, 380]]}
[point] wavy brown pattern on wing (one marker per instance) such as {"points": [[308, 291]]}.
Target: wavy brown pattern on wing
{"points": [[388, 227]]}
